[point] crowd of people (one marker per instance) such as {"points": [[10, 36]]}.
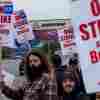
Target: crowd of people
{"points": [[40, 80]]}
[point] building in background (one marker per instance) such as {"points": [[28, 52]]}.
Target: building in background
{"points": [[47, 29]]}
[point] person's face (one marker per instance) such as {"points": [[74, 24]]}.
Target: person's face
{"points": [[34, 60], [68, 85]]}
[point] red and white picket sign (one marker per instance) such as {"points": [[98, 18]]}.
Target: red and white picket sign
{"points": [[6, 34], [87, 33], [22, 27], [67, 39]]}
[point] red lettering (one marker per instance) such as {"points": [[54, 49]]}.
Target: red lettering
{"points": [[84, 33], [93, 56], [98, 25], [93, 29], [5, 19], [95, 8], [68, 35], [1, 19], [90, 30], [9, 19]]}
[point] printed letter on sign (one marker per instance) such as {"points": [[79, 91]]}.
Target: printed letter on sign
{"points": [[95, 8]]}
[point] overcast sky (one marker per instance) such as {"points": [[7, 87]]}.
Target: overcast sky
{"points": [[38, 9]]}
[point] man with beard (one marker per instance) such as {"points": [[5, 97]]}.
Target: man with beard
{"points": [[69, 85], [36, 85]]}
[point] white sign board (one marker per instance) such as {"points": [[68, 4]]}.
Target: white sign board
{"points": [[6, 36], [67, 41], [87, 32], [22, 27]]}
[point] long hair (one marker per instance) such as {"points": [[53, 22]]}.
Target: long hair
{"points": [[41, 70], [43, 60]]}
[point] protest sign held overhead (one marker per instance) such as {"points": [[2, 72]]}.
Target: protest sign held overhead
{"points": [[67, 39], [87, 33], [22, 27], [6, 10], [6, 34]]}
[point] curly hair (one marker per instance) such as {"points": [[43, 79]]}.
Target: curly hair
{"points": [[25, 62]]}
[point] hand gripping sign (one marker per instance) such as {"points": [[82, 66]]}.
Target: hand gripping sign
{"points": [[87, 33]]}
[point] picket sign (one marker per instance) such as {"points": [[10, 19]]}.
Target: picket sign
{"points": [[22, 27], [87, 33], [67, 41], [6, 34]]}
